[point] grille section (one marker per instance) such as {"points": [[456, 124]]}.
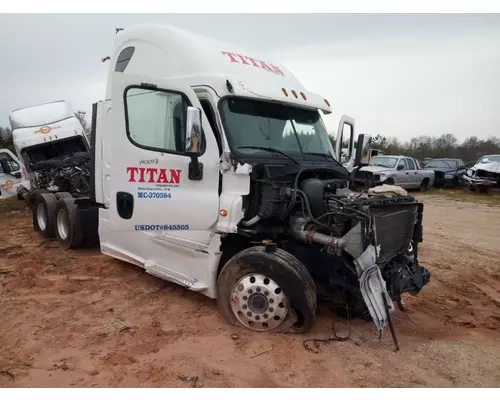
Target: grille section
{"points": [[394, 227]]}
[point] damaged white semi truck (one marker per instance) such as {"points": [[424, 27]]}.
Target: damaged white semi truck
{"points": [[52, 149], [211, 168]]}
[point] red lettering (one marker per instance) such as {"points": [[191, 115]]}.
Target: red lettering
{"points": [[231, 56], [151, 172], [242, 58], [277, 69], [163, 176], [132, 171], [254, 61], [154, 175], [141, 178], [265, 66], [175, 174]]}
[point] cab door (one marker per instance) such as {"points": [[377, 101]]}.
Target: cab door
{"points": [[414, 178], [402, 174], [151, 185], [345, 132]]}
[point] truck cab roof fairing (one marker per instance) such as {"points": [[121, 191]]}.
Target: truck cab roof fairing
{"points": [[200, 60]]}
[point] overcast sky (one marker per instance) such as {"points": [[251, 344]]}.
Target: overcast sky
{"points": [[397, 75]]}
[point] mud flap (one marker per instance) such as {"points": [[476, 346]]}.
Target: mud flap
{"points": [[373, 288]]}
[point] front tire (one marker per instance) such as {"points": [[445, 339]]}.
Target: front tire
{"points": [[262, 291], [424, 185]]}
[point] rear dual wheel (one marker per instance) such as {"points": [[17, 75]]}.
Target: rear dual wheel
{"points": [[67, 226], [43, 214], [266, 291], [55, 215]]}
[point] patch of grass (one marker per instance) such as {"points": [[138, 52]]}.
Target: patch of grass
{"points": [[491, 198]]}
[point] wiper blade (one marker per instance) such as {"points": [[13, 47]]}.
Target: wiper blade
{"points": [[326, 155], [270, 149]]}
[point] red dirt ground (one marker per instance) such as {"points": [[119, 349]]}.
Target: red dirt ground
{"points": [[80, 319]]}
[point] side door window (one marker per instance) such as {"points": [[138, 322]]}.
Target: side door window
{"points": [[402, 163], [156, 120], [8, 165]]}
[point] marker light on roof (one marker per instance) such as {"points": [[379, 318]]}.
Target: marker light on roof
{"points": [[327, 102], [285, 92], [295, 94], [303, 96]]}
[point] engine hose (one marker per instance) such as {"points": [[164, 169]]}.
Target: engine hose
{"points": [[251, 221], [333, 243]]}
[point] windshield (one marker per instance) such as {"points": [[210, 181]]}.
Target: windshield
{"points": [[296, 132], [442, 164], [488, 159], [387, 162]]}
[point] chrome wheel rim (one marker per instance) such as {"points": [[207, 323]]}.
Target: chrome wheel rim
{"points": [[41, 216], [62, 224], [259, 303]]}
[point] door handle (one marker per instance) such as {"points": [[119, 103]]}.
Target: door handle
{"points": [[416, 172], [124, 204], [407, 173]]}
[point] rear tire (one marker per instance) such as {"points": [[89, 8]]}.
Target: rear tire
{"points": [[61, 195], [278, 277], [67, 224], [32, 197], [43, 214]]}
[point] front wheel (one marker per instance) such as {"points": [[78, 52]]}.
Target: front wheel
{"points": [[265, 291], [424, 185]]}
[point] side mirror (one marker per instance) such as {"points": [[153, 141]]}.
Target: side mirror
{"points": [[363, 150], [192, 142], [400, 167]]}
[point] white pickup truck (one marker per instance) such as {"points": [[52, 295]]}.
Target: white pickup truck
{"points": [[395, 170]]}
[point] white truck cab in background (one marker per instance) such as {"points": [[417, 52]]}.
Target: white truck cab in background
{"points": [[44, 132], [10, 174]]}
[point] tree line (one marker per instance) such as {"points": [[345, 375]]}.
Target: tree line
{"points": [[420, 147], [447, 145]]}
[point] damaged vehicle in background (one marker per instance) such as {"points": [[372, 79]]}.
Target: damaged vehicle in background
{"points": [[448, 172], [393, 170], [54, 150], [484, 174]]}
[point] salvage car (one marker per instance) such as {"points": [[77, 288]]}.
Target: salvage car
{"points": [[484, 174], [448, 172], [394, 170]]}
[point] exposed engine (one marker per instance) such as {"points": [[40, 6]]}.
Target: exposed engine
{"points": [[361, 246], [65, 174]]}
